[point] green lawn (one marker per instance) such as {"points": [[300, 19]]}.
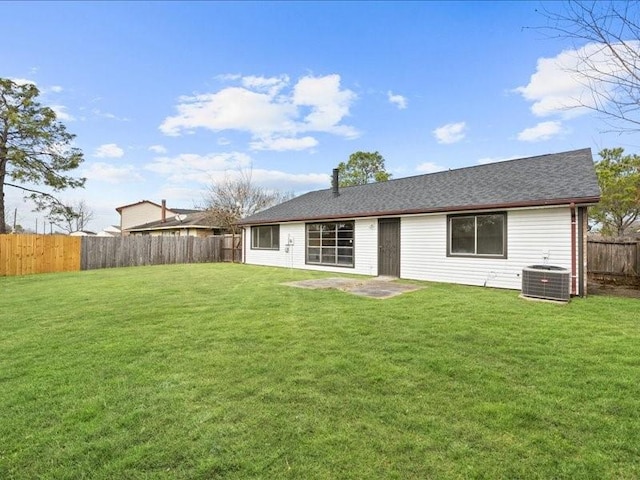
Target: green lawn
{"points": [[220, 371]]}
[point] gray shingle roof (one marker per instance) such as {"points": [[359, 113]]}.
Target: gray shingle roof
{"points": [[554, 179], [196, 219]]}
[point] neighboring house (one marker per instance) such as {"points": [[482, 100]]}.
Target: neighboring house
{"points": [[479, 225], [82, 233], [144, 212], [110, 231], [191, 224]]}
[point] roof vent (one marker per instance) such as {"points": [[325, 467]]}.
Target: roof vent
{"points": [[547, 282]]}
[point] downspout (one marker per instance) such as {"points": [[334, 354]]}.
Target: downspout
{"points": [[582, 291], [244, 245], [573, 248]]}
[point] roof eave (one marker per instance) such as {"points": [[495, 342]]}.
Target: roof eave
{"points": [[582, 201], [172, 227]]}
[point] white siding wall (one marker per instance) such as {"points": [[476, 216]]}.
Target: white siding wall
{"points": [[532, 233], [365, 240]]}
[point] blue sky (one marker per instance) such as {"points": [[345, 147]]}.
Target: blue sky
{"points": [[166, 98]]}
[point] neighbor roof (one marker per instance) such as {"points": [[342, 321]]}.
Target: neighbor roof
{"points": [[172, 210], [554, 179], [190, 220]]}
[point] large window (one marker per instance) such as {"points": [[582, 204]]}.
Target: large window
{"points": [[265, 237], [482, 235], [330, 243]]}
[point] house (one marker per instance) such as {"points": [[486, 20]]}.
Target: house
{"points": [[479, 225], [110, 231], [194, 224], [82, 233], [145, 212]]}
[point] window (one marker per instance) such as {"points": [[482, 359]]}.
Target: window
{"points": [[482, 235], [265, 237], [330, 243]]}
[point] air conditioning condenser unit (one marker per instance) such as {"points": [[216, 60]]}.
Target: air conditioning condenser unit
{"points": [[546, 281]]}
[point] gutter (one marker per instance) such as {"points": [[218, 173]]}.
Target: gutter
{"points": [[585, 201]]}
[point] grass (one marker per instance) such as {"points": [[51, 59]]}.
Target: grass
{"points": [[220, 371]]}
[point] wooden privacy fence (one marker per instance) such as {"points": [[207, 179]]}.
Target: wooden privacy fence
{"points": [[24, 254], [614, 258]]}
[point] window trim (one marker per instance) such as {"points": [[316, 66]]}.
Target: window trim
{"points": [[339, 265], [505, 230], [256, 228]]}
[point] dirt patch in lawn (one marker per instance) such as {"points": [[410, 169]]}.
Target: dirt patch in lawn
{"points": [[380, 287], [628, 291]]}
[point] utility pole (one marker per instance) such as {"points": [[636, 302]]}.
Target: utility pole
{"points": [[15, 214]]}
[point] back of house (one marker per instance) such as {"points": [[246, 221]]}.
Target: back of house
{"points": [[479, 225]]}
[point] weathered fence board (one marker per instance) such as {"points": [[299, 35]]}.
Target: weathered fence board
{"points": [[27, 254], [614, 258], [104, 252]]}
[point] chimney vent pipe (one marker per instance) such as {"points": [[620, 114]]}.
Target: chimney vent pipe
{"points": [[164, 211], [335, 182]]}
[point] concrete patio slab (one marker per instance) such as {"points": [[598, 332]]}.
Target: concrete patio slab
{"points": [[379, 287]]}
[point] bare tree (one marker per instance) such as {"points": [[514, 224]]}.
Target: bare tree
{"points": [[71, 217], [606, 39], [233, 198]]}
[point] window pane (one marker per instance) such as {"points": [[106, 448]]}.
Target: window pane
{"points": [[313, 255], [463, 235], [490, 234], [328, 255], [345, 260], [329, 231], [264, 237]]}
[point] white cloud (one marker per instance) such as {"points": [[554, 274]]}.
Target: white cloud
{"points": [[271, 85], [277, 180], [182, 169], [268, 108], [560, 85], [56, 88], [99, 113], [228, 77], [159, 149], [232, 108], [398, 100], [109, 150], [542, 131], [110, 173], [429, 167], [191, 167], [62, 114], [283, 144], [329, 104], [22, 81], [224, 141], [450, 133]]}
